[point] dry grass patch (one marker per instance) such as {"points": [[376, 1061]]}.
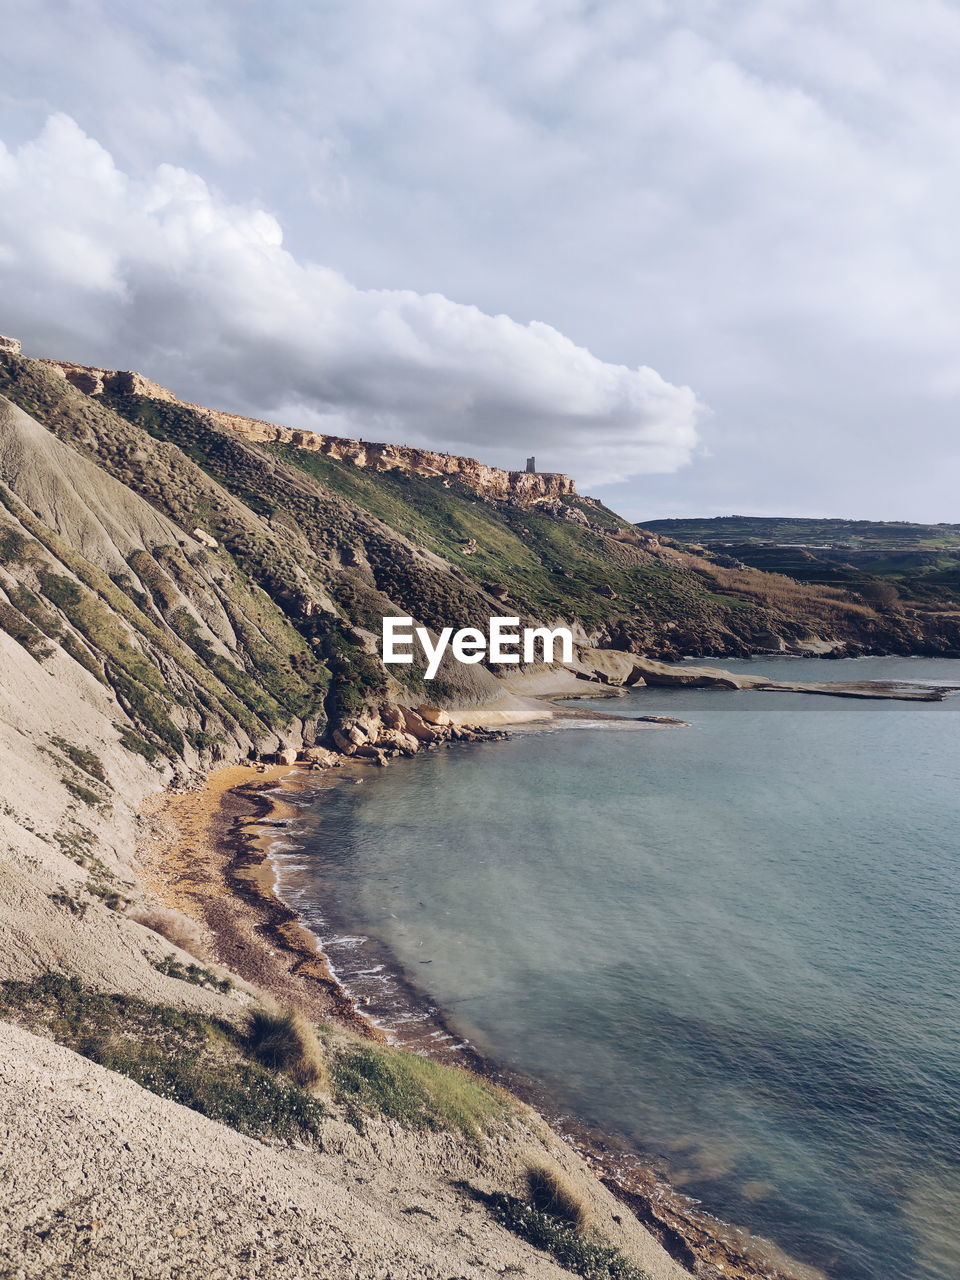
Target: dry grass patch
{"points": [[175, 927], [551, 1192], [284, 1040]]}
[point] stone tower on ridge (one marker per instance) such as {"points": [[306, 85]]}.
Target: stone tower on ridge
{"points": [[531, 465]]}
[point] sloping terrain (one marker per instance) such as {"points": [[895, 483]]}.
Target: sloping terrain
{"points": [[145, 1187]]}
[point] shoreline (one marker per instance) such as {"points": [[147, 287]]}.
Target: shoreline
{"points": [[217, 867]]}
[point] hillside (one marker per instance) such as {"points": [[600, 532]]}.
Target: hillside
{"points": [[920, 562], [178, 594]]}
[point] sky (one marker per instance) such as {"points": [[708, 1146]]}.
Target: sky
{"points": [[700, 254]]}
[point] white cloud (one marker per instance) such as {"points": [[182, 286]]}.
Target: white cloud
{"points": [[202, 293]]}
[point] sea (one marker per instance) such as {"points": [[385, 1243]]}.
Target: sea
{"points": [[734, 945]]}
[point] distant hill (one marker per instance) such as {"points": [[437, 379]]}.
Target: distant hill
{"points": [[921, 562], [811, 532]]}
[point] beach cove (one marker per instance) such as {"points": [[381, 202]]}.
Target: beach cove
{"points": [[400, 994]]}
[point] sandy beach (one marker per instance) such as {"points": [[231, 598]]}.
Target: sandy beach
{"points": [[206, 854]]}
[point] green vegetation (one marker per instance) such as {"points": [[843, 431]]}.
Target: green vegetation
{"points": [[84, 759], [84, 794], [197, 1061], [809, 531], [202, 643], [77, 845], [171, 967], [68, 902], [133, 742], [24, 632], [584, 1252], [417, 1092], [585, 1255], [13, 546]]}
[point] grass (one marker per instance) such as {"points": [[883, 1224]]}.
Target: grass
{"points": [[417, 1092], [84, 759], [182, 930], [77, 845], [25, 633], [284, 1040], [551, 1193], [200, 1062], [171, 967], [13, 546], [588, 1255], [131, 741], [83, 793], [69, 903]]}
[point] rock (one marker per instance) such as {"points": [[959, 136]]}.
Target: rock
{"points": [[287, 756], [319, 757], [497, 590], [391, 716], [397, 740], [433, 715], [610, 666], [10, 345], [659, 673], [367, 641], [344, 743], [417, 727], [205, 539]]}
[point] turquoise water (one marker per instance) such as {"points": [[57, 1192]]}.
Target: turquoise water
{"points": [[736, 944]]}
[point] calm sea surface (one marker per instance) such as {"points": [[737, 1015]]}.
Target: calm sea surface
{"points": [[736, 944]]}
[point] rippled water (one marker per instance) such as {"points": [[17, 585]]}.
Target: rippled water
{"points": [[737, 944]]}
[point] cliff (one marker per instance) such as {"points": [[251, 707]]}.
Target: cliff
{"points": [[522, 487]]}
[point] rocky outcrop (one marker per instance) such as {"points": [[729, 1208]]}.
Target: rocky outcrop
{"points": [[398, 730], [10, 345], [523, 487]]}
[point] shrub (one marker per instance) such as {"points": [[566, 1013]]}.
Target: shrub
{"points": [[69, 902], [284, 1040], [551, 1193], [175, 927], [131, 741], [171, 967], [416, 1091], [590, 1256]]}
